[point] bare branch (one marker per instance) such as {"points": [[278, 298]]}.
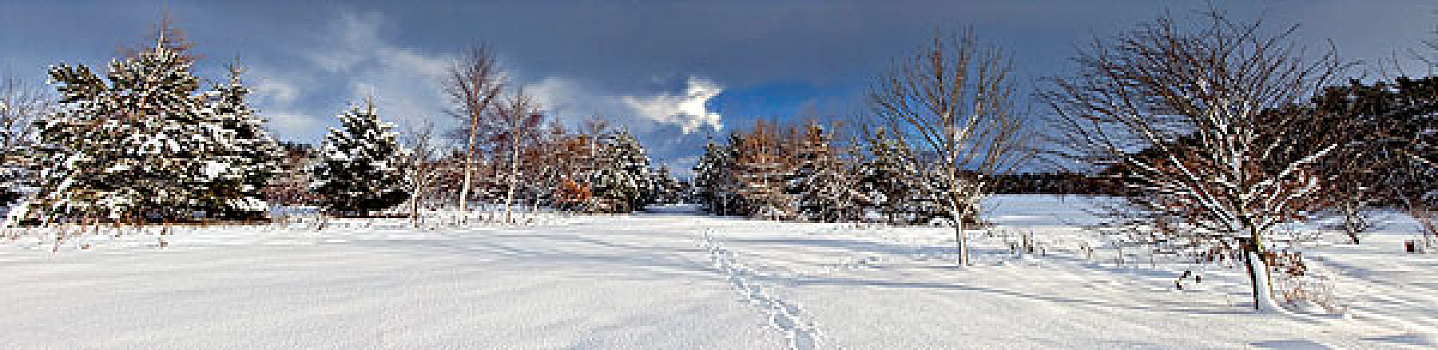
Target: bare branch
{"points": [[955, 99], [1200, 121], [472, 84]]}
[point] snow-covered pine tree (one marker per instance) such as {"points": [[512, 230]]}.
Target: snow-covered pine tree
{"points": [[359, 170], [603, 178], [822, 183], [247, 156], [136, 149], [712, 173], [634, 160], [891, 185], [667, 189], [925, 202], [623, 182], [886, 178], [12, 179]]}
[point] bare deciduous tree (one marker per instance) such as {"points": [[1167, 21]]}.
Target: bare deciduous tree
{"points": [[517, 123], [473, 82], [1209, 105], [955, 100], [291, 186], [21, 105], [422, 166]]}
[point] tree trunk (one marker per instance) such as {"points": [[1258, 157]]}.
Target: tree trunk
{"points": [[464, 189], [963, 240], [513, 174], [1258, 275], [1353, 222], [960, 237], [414, 207], [468, 169]]}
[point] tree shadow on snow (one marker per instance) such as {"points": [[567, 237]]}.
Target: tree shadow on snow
{"points": [[1405, 339], [1291, 344]]}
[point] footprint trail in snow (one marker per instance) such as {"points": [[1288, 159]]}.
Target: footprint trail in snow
{"points": [[783, 315]]}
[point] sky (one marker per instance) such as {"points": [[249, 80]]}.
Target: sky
{"points": [[672, 72]]}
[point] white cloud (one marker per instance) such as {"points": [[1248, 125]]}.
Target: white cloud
{"points": [[275, 97], [571, 101], [430, 67], [687, 110], [275, 91]]}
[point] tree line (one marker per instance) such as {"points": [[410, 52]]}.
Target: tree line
{"points": [[807, 172], [145, 141]]}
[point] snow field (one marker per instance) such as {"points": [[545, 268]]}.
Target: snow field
{"points": [[673, 279]]}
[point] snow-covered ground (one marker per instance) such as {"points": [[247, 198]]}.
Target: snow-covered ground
{"points": [[675, 280]]}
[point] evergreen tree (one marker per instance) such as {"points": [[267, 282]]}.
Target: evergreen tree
{"points": [[667, 189], [142, 147], [925, 201], [731, 199], [636, 166], [891, 185], [823, 183], [887, 178], [11, 183], [712, 176], [248, 157], [17, 178], [359, 170], [622, 182]]}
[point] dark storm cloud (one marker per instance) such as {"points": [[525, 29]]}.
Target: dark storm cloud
{"points": [[624, 59]]}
